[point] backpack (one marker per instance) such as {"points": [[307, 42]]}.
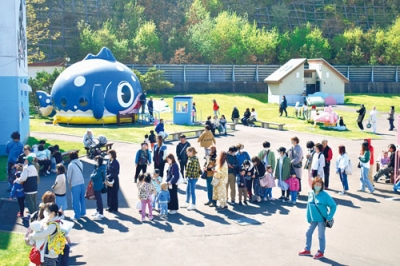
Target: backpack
{"points": [[56, 244]]}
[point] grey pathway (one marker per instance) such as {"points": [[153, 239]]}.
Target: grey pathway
{"points": [[365, 233]]}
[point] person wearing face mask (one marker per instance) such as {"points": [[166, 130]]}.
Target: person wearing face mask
{"points": [[320, 208], [282, 173], [267, 156], [311, 151]]}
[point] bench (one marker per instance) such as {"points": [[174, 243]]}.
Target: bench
{"points": [[107, 147], [176, 135], [268, 124], [236, 120], [232, 126], [66, 153]]}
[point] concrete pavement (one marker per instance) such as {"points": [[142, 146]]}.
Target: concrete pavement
{"points": [[365, 230]]}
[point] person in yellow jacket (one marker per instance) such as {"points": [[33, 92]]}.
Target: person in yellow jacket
{"points": [[206, 139]]}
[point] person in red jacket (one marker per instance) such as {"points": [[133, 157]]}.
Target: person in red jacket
{"points": [[215, 107], [371, 161], [327, 151]]}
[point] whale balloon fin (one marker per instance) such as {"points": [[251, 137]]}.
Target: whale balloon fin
{"points": [[104, 54], [98, 101]]}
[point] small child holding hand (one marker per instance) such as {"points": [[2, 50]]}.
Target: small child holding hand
{"points": [[294, 186], [163, 198], [241, 182]]}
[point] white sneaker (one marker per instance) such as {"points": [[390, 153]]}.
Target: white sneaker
{"points": [[342, 193], [48, 172], [185, 205], [192, 207], [95, 213], [173, 212], [99, 216], [271, 198]]}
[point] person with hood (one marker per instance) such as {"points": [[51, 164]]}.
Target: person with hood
{"points": [[372, 119], [283, 106], [235, 115], [361, 114], [371, 160], [391, 118], [77, 185], [206, 139]]}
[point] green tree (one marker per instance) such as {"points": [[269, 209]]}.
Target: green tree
{"points": [[147, 44], [392, 40], [153, 80], [43, 81]]}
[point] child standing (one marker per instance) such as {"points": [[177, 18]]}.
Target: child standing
{"points": [[163, 198], [241, 182], [60, 187], [152, 139], [146, 139], [270, 183], [146, 189], [156, 181], [17, 191], [294, 186]]}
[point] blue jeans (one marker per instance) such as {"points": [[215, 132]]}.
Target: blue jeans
{"points": [[210, 190], [191, 190], [268, 192], [163, 208], [293, 196], [343, 179], [364, 181], [321, 235], [78, 200], [61, 202]]}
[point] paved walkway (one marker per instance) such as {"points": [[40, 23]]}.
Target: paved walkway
{"points": [[365, 232]]}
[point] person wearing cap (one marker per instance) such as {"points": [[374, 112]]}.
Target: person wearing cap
{"points": [[142, 100], [29, 179], [206, 139], [235, 115], [282, 173], [13, 150], [181, 153]]}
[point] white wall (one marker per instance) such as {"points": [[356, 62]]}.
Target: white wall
{"points": [[32, 70]]}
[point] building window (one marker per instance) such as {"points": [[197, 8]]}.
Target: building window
{"points": [[308, 74]]}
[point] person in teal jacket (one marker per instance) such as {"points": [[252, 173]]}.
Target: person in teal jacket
{"points": [[320, 208], [364, 163], [98, 177]]}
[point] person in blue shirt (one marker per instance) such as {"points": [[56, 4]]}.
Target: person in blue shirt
{"points": [[160, 129], [13, 149], [320, 208], [18, 192]]}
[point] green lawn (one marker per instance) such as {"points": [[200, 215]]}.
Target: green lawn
{"points": [[13, 250], [382, 102]]}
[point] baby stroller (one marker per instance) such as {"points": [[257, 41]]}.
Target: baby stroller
{"points": [[95, 148]]}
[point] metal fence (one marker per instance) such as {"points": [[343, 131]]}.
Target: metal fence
{"points": [[257, 73]]}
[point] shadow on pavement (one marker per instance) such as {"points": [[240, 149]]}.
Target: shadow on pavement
{"points": [[124, 217], [331, 262], [85, 223], [113, 224], [73, 260], [179, 218], [214, 218]]}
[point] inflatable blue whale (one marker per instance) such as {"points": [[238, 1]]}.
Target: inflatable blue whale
{"points": [[92, 91]]}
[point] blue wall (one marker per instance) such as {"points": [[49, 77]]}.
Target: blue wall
{"points": [[14, 109]]}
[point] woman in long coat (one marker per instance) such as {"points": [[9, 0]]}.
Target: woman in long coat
{"points": [[221, 178]]}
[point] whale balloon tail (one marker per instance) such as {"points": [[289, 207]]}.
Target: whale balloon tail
{"points": [[45, 105]]}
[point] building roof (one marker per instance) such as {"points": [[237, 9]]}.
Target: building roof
{"points": [[285, 70], [335, 71]]}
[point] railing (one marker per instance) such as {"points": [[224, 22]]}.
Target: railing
{"points": [[257, 73]]}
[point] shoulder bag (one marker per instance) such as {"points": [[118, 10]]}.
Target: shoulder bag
{"points": [[328, 223], [349, 168]]}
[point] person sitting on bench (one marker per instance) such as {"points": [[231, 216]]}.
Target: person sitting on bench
{"points": [[390, 166]]}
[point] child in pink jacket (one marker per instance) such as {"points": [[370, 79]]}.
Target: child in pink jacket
{"points": [[294, 186]]}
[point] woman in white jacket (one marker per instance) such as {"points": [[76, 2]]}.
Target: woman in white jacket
{"points": [[318, 162], [373, 117], [341, 163]]}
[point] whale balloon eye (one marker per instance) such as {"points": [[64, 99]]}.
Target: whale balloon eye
{"points": [[63, 102], [125, 94], [83, 101]]}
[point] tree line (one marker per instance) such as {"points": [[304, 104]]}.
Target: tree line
{"points": [[207, 35]]}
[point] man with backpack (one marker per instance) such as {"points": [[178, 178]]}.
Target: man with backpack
{"points": [[142, 159]]}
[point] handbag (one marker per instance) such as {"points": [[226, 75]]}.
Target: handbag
{"points": [[328, 223], [181, 180], [215, 181], [204, 175], [139, 205], [263, 181], [349, 169], [34, 255], [108, 183], [359, 165], [89, 193]]}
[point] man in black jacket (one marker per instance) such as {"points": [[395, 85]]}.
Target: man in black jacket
{"points": [[150, 107], [235, 114], [181, 153], [142, 100], [390, 167]]}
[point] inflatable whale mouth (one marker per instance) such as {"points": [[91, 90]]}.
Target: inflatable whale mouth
{"points": [[99, 84]]}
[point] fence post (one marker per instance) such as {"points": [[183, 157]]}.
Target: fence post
{"points": [[348, 73], [372, 74], [184, 73], [233, 72], [209, 73], [397, 74], [257, 73]]}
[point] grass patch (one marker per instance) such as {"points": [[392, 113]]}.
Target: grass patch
{"points": [[64, 146], [13, 250], [381, 101]]}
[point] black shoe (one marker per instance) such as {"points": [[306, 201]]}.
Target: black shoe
{"points": [[240, 203], [212, 205], [135, 180], [245, 203], [207, 203], [387, 181]]}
